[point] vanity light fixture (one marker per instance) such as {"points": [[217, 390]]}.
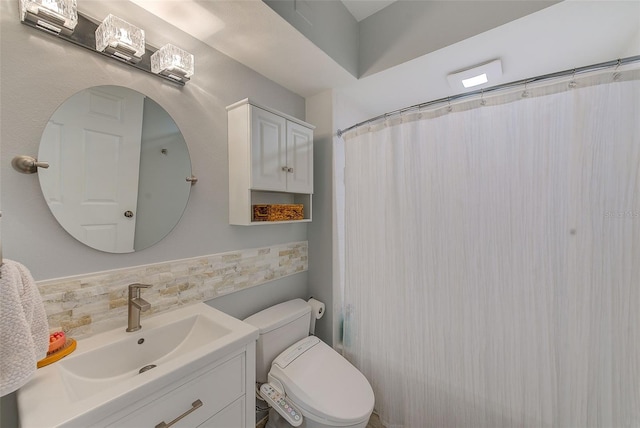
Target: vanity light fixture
{"points": [[113, 37], [476, 75], [173, 62], [53, 16], [121, 40]]}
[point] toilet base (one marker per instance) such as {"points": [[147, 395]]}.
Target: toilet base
{"points": [[277, 421]]}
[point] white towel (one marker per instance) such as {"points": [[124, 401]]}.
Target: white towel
{"points": [[24, 330]]}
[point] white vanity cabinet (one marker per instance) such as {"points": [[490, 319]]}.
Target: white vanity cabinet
{"points": [[188, 367], [221, 395], [270, 161]]}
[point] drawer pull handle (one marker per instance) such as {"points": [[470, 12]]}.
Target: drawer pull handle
{"points": [[194, 406]]}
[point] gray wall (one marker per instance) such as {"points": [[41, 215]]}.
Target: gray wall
{"points": [[38, 72], [243, 303], [321, 237], [162, 176], [405, 30], [328, 24], [409, 29], [329, 111]]}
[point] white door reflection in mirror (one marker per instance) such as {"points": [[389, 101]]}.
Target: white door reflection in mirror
{"points": [[93, 143], [97, 166]]}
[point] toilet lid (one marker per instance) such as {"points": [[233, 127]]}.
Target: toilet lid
{"points": [[325, 386]]}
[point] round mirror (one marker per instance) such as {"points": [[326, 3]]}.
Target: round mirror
{"points": [[118, 168]]}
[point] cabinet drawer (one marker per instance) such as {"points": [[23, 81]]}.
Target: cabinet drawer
{"points": [[231, 416], [216, 389]]}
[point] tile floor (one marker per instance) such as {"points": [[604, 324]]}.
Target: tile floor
{"points": [[374, 422]]}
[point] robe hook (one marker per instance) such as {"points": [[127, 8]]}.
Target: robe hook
{"points": [[27, 164]]}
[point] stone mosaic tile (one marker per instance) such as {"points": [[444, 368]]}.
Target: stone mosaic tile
{"points": [[88, 304]]}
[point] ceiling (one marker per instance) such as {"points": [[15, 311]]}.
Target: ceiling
{"points": [[563, 36], [361, 9]]}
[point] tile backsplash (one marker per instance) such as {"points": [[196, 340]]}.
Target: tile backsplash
{"points": [[84, 305]]}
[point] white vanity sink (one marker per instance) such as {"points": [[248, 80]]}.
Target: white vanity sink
{"points": [[103, 375], [164, 340]]}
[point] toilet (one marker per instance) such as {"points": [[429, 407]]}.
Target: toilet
{"points": [[299, 375]]}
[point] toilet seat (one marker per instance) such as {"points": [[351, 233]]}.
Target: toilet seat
{"points": [[323, 384]]}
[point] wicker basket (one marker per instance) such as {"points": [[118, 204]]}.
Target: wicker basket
{"points": [[278, 212]]}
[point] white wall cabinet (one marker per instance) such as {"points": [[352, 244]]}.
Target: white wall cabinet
{"points": [[270, 161]]}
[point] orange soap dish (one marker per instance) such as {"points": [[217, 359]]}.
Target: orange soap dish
{"points": [[52, 357]]}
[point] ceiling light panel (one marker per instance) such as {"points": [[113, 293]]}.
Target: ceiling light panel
{"points": [[484, 74]]}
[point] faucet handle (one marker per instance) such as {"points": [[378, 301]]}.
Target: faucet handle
{"points": [[134, 289], [137, 285]]}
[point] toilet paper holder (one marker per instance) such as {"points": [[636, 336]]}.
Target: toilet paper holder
{"points": [[317, 311]]}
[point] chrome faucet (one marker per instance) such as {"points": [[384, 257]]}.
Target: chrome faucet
{"points": [[136, 305]]}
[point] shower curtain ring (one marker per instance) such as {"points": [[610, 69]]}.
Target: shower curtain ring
{"points": [[525, 93], [482, 100], [616, 74], [573, 83], [449, 108]]}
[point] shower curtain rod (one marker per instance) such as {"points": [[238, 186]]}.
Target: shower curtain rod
{"points": [[603, 65]]}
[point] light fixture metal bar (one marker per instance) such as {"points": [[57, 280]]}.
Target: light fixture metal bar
{"points": [[571, 72], [84, 36]]}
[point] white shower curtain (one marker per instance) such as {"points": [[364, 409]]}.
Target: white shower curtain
{"points": [[493, 262]]}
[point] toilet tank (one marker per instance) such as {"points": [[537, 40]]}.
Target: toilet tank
{"points": [[280, 326]]}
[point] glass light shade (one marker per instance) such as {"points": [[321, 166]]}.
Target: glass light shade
{"points": [[173, 62], [121, 39], [53, 15]]}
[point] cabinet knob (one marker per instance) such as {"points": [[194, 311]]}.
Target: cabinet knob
{"points": [[289, 169], [285, 169]]}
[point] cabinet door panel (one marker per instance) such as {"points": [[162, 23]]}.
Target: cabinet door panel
{"points": [[268, 151], [231, 416], [215, 389], [299, 158]]}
